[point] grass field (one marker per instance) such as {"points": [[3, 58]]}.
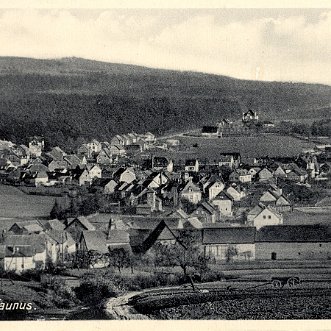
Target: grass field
{"points": [[15, 203], [251, 146]]}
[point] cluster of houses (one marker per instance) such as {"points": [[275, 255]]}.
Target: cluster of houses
{"points": [[34, 244], [234, 203], [246, 125]]}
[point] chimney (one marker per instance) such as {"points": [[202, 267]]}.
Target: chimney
{"points": [[109, 228]]}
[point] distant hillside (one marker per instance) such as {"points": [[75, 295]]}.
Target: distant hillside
{"points": [[69, 98]]}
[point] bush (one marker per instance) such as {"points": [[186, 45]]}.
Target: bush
{"points": [[92, 291]]}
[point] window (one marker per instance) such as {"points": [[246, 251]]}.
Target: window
{"points": [[269, 217], [264, 217]]}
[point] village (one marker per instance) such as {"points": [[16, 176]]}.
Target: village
{"points": [[122, 195]]}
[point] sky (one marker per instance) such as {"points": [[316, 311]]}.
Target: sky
{"points": [[261, 44]]}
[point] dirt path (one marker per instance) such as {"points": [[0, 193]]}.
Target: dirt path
{"points": [[119, 309]]}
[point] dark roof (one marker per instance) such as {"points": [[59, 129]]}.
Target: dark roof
{"points": [[228, 235], [190, 162], [82, 220], [294, 233], [209, 129]]}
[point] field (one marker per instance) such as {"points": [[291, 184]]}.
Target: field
{"points": [[247, 146], [15, 203], [310, 306]]}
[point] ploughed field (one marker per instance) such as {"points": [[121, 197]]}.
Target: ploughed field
{"points": [[308, 300]]}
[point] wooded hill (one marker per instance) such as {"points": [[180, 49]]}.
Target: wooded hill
{"points": [[70, 98]]}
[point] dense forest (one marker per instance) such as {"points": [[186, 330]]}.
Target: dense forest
{"points": [[74, 99]]}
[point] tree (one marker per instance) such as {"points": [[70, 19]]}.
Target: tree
{"points": [[119, 258], [185, 253], [187, 206], [57, 211], [231, 252]]}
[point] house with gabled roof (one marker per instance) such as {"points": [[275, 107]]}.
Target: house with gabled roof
{"points": [[265, 175], [206, 212], [56, 154], [125, 175], [25, 251], [262, 215], [229, 243], [224, 202], [192, 165], [73, 161], [191, 192], [84, 178], [102, 243], [213, 186], [78, 224], [26, 227], [277, 200], [236, 192]]}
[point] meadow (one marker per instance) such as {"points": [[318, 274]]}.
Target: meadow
{"points": [[248, 146], [15, 203]]}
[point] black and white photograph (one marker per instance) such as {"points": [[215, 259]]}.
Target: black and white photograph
{"points": [[165, 163]]}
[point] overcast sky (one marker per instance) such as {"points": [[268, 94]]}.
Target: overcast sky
{"points": [[273, 44]]}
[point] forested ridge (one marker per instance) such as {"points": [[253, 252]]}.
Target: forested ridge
{"points": [[71, 98]]}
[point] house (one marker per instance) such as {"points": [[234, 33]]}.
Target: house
{"points": [[192, 165], [235, 192], [279, 171], [148, 202], [124, 175], [60, 245], [229, 243], [57, 166], [213, 187], [77, 225], [54, 224], [265, 175], [191, 192], [56, 154], [253, 171], [85, 178], [149, 137], [40, 178], [293, 242], [94, 147], [117, 150], [104, 157], [297, 175], [240, 175], [206, 212], [109, 188], [26, 227], [36, 146], [17, 258], [117, 141], [250, 116], [262, 215], [268, 124], [210, 131], [276, 199], [94, 171], [133, 149], [73, 161], [224, 202], [156, 180], [159, 163], [25, 251]]}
